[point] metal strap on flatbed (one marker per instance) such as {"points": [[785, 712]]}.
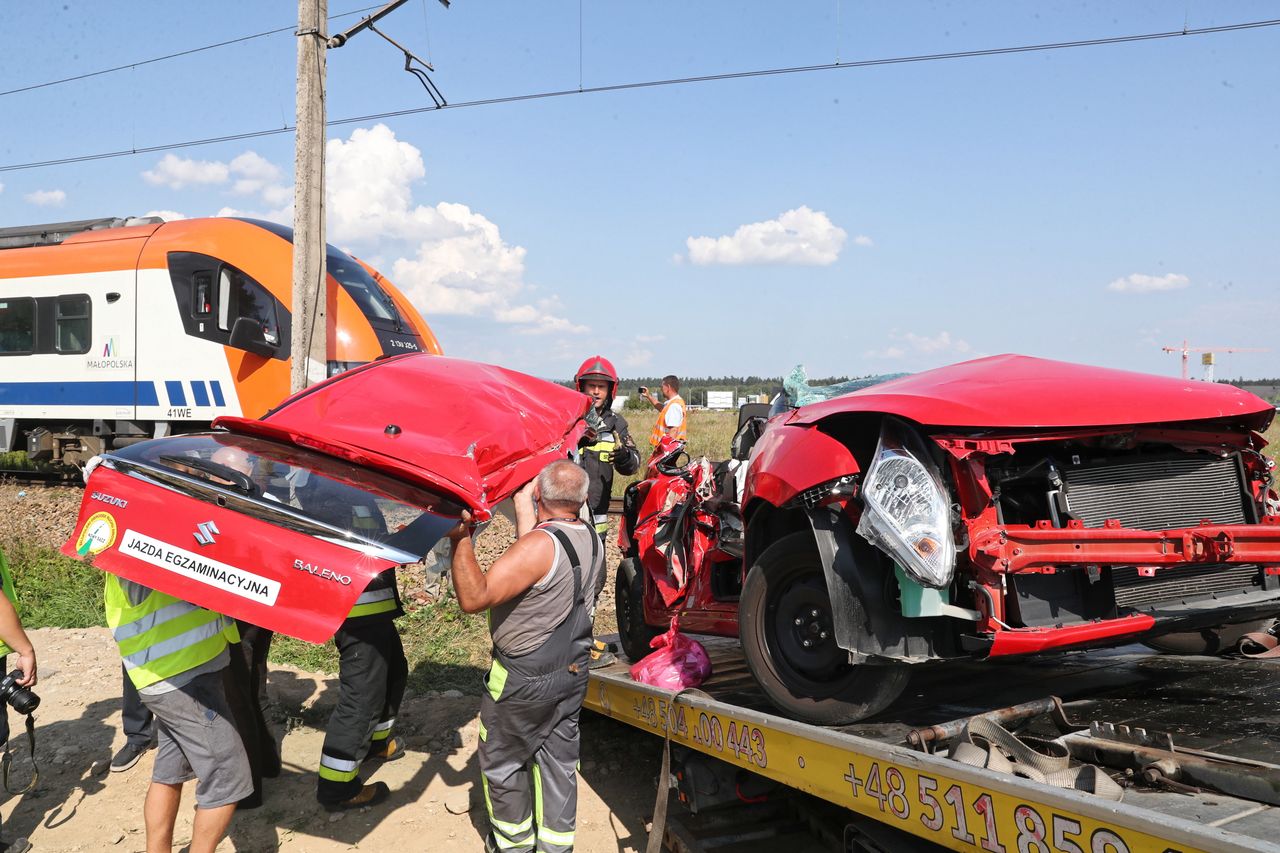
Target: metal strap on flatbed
{"points": [[948, 803]]}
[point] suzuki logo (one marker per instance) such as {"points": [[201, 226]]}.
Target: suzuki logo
{"points": [[204, 532]]}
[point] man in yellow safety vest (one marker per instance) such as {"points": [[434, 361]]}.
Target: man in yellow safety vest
{"points": [[174, 653]]}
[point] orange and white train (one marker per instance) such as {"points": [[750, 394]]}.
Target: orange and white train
{"points": [[118, 330]]}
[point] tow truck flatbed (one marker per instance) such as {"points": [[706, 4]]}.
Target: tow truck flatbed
{"points": [[1228, 707]]}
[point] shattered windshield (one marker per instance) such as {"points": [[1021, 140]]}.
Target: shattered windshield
{"points": [[300, 489]]}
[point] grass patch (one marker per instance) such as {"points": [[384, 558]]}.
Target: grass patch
{"points": [[16, 460], [709, 435], [446, 648], [53, 590]]}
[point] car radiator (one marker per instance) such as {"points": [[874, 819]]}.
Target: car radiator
{"points": [[1159, 494]]}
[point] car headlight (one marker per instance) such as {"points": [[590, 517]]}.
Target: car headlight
{"points": [[906, 512]]}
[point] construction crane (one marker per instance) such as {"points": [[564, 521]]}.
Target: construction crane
{"points": [[1207, 358]]}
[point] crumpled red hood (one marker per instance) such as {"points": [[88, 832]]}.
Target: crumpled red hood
{"points": [[474, 430], [1018, 391]]}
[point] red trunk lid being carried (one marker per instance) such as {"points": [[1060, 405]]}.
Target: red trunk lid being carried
{"points": [[350, 478]]}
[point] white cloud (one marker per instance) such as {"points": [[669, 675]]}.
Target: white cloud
{"points": [[46, 198], [1141, 283], [448, 258], [166, 215], [457, 260], [177, 172], [1, 188], [799, 236], [637, 357], [256, 175], [909, 343], [864, 241]]}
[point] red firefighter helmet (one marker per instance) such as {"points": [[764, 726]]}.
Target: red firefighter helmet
{"points": [[597, 367]]}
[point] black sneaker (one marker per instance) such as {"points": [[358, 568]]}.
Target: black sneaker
{"points": [[128, 756], [369, 795], [17, 845]]}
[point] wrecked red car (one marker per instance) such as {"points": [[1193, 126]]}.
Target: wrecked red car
{"points": [[1002, 506], [283, 521]]}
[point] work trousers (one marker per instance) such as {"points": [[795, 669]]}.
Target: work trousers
{"points": [[529, 764], [242, 680], [136, 718], [372, 671]]}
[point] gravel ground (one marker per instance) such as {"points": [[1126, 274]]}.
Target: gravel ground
{"points": [[37, 515]]}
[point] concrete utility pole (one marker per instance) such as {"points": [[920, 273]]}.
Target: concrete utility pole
{"points": [[310, 341]]}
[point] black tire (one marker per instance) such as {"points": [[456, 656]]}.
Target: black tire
{"points": [[816, 684], [628, 602], [1217, 640]]}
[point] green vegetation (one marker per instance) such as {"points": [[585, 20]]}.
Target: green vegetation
{"points": [[446, 648], [53, 590], [709, 436]]}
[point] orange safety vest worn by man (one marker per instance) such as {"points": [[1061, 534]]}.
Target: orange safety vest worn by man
{"points": [[671, 417]]}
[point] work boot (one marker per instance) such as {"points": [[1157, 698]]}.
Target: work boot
{"points": [[602, 654], [369, 795], [388, 749]]}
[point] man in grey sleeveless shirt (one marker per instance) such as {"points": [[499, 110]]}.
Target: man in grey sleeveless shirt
{"points": [[540, 595]]}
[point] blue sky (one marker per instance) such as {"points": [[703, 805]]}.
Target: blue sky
{"points": [[1088, 205]]}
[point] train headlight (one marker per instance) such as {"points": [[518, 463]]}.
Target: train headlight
{"points": [[906, 511]]}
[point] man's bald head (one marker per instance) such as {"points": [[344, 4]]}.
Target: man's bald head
{"points": [[563, 485], [234, 458]]}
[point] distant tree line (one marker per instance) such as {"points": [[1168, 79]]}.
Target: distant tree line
{"points": [[694, 388]]}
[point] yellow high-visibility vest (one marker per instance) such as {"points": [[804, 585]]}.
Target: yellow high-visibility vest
{"points": [[163, 636]]}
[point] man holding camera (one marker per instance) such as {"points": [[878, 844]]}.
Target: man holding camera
{"points": [[671, 414], [14, 639]]}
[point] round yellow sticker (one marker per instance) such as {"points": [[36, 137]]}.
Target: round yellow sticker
{"points": [[97, 535]]}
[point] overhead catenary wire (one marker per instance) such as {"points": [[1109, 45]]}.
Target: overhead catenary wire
{"points": [[671, 81], [238, 40]]}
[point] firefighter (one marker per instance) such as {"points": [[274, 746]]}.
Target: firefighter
{"points": [[540, 601], [372, 669], [601, 451], [607, 448]]}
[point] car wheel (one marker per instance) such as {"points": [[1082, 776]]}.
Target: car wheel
{"points": [[1207, 641], [788, 637], [629, 605]]}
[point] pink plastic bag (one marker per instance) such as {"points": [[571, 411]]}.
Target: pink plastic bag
{"points": [[679, 662]]}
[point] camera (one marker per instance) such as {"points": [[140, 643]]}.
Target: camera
{"points": [[21, 699], [642, 390]]}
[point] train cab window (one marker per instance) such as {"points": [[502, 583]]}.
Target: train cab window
{"points": [[212, 295], [17, 326], [224, 300], [249, 299], [202, 295], [72, 324]]}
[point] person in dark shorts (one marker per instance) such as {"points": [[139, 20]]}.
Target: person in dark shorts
{"points": [[175, 654]]}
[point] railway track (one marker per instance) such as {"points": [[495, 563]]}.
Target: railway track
{"points": [[615, 506]]}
